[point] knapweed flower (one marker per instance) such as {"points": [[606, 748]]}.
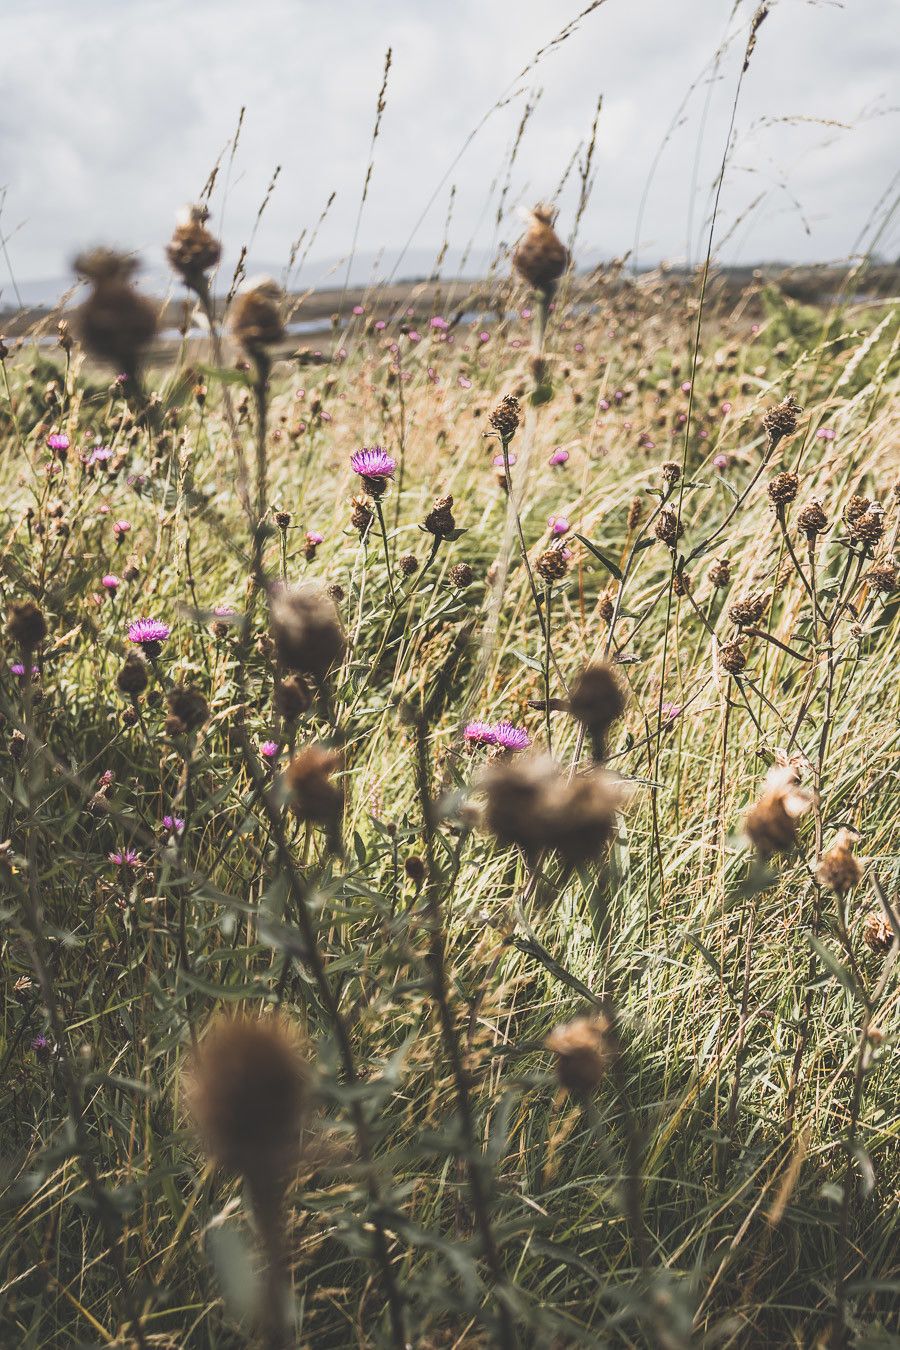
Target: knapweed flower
{"points": [[479, 733], [311, 542], [374, 466], [509, 737], [720, 462], [100, 454], [110, 582], [148, 634], [559, 456], [269, 749], [17, 669], [558, 525], [120, 529], [440, 324], [58, 443], [823, 433], [173, 824], [670, 712], [40, 1044], [126, 857]]}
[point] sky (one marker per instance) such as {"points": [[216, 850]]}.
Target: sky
{"points": [[114, 113]]}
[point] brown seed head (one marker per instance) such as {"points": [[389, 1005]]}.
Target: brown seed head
{"points": [[883, 577], [188, 710], [720, 573], [362, 514], [115, 322], [635, 512], [771, 824], [25, 624], [256, 317], [531, 802], [747, 611], [839, 869], [505, 417], [552, 565], [132, 679], [783, 488], [415, 869], [671, 472], [668, 528], [192, 250], [314, 798], [781, 421], [408, 564], [811, 519], [583, 1050], [306, 629], [292, 697], [856, 506], [597, 701], [248, 1089], [461, 576], [868, 526], [878, 933], [541, 257], [440, 521], [732, 658]]}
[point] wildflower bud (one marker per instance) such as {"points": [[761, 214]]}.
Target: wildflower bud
{"points": [[883, 577], [606, 606], [838, 869], [505, 418], [188, 710], [771, 824], [63, 336], [25, 624], [783, 488], [256, 318], [541, 257], [192, 250], [720, 573], [440, 520], [283, 519], [415, 869], [314, 798], [597, 701], [671, 472], [668, 528], [461, 576], [306, 629], [552, 565], [116, 322], [811, 519], [408, 564], [781, 421], [248, 1088], [132, 679], [129, 717], [335, 592], [868, 527], [362, 515], [878, 933], [583, 1050], [732, 658], [311, 541], [292, 697], [747, 611]]}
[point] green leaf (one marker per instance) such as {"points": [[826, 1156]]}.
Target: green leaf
{"points": [[612, 567], [834, 967]]}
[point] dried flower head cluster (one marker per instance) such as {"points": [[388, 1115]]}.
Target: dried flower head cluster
{"points": [[505, 417], [781, 421], [116, 322], [771, 824], [783, 488], [597, 701], [193, 250], [583, 1051], [440, 520], [532, 802], [25, 624], [838, 869], [541, 257], [256, 317], [313, 795]]}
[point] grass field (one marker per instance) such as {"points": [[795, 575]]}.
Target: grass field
{"points": [[712, 1158]]}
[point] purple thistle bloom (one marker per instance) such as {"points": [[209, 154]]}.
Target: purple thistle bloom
{"points": [[174, 824], [124, 858], [508, 737], [58, 442], [148, 634], [825, 433], [269, 749], [17, 669], [720, 462], [110, 581], [40, 1044], [314, 538], [100, 454], [373, 462], [670, 711], [441, 324], [559, 456], [480, 733], [558, 525]]}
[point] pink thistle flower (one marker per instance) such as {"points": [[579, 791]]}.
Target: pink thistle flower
{"points": [[558, 525], [149, 635], [100, 454], [121, 528], [686, 387], [440, 324], [111, 582], [269, 749], [825, 433], [373, 462], [500, 462], [480, 733], [414, 336], [670, 711], [173, 824], [358, 309], [58, 443], [16, 668], [526, 313], [484, 337], [380, 325], [509, 737], [720, 462], [125, 858], [559, 456]]}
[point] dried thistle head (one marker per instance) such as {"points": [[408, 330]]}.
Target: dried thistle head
{"points": [[256, 317], [732, 657], [188, 710], [811, 519], [553, 564], [882, 577], [780, 421], [671, 472], [306, 629], [248, 1088], [583, 1050], [25, 624], [878, 934], [867, 527], [541, 257], [193, 250], [116, 322], [783, 488], [132, 679], [313, 797], [635, 512], [531, 802], [720, 574], [362, 513], [771, 824], [596, 699], [747, 611], [440, 520], [839, 869], [668, 528], [505, 418], [292, 697]]}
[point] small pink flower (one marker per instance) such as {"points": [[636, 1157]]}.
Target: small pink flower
{"points": [[579, 346], [526, 313], [825, 433], [121, 528], [58, 443], [686, 387], [440, 324], [484, 337], [463, 382], [670, 711], [414, 336], [603, 404], [559, 456], [269, 749], [111, 582], [500, 462], [380, 325], [558, 525], [358, 309], [720, 462], [726, 407]]}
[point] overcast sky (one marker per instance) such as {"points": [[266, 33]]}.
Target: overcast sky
{"points": [[113, 114]]}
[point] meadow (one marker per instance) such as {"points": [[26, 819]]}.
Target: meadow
{"points": [[450, 892]]}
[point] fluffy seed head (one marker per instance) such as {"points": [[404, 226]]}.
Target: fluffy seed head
{"points": [[314, 798], [306, 629], [292, 697], [583, 1050], [188, 710], [25, 624], [771, 824], [839, 869]]}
